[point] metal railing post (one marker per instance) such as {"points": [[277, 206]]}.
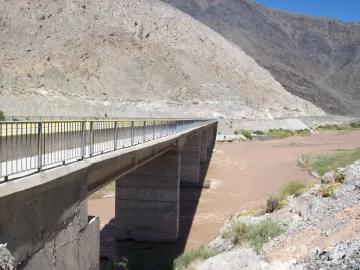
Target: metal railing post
{"points": [[115, 135], [91, 138], [132, 133], [82, 140], [39, 146], [153, 131], [144, 131]]}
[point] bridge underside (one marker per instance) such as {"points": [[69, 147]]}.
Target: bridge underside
{"points": [[44, 217]]}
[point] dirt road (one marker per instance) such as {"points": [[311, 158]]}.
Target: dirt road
{"points": [[243, 174]]}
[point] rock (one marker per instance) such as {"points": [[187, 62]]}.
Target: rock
{"points": [[327, 176], [7, 260], [338, 193], [352, 177], [311, 209]]}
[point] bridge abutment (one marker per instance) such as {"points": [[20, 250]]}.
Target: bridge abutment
{"points": [[47, 226], [147, 201]]}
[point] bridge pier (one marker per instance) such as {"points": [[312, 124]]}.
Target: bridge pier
{"points": [[190, 160], [147, 201]]}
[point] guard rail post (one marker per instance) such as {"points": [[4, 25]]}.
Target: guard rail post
{"points": [[39, 146]]}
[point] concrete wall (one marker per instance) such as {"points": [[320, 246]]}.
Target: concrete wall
{"points": [[147, 201]]}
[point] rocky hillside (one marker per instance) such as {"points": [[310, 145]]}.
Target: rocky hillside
{"points": [[317, 59], [321, 230], [128, 58]]}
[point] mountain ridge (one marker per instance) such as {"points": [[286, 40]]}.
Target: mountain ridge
{"points": [[315, 58], [129, 58]]}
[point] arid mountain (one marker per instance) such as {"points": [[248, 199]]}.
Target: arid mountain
{"points": [[314, 58], [128, 58]]}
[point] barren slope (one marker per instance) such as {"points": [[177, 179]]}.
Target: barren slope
{"points": [[314, 58], [128, 58]]}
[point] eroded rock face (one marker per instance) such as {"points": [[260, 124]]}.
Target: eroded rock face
{"points": [[314, 58], [129, 58]]}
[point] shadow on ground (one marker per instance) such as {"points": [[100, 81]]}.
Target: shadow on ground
{"points": [[150, 255]]}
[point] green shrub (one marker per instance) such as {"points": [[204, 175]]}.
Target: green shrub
{"points": [[254, 234], [263, 232], [239, 230], [225, 235], [338, 127], [201, 253], [283, 203], [330, 160], [280, 133], [303, 132], [259, 132], [273, 203], [247, 134], [236, 132], [2, 116], [230, 126], [339, 177], [291, 188], [327, 190]]}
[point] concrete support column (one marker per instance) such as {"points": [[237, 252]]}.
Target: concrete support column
{"points": [[204, 146], [147, 201], [190, 160]]}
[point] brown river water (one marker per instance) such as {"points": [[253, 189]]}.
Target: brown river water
{"points": [[242, 174]]}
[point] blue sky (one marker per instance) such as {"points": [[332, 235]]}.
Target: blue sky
{"points": [[345, 10]]}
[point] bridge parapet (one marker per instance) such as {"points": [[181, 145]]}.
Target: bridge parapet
{"points": [[28, 147]]}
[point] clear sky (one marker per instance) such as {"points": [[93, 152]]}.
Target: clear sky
{"points": [[345, 10]]}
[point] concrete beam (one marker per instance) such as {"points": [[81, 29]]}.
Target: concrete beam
{"points": [[190, 160], [147, 201]]}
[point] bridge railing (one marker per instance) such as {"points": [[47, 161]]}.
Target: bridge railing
{"points": [[35, 118], [30, 147]]}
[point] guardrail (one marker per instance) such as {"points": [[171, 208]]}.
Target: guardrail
{"points": [[81, 118], [27, 147]]}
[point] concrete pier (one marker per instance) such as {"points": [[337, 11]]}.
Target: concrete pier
{"points": [[190, 160], [147, 201]]}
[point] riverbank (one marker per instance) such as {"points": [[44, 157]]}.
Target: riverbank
{"points": [[243, 175]]}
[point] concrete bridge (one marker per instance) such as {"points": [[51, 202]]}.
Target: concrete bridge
{"points": [[44, 217]]}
